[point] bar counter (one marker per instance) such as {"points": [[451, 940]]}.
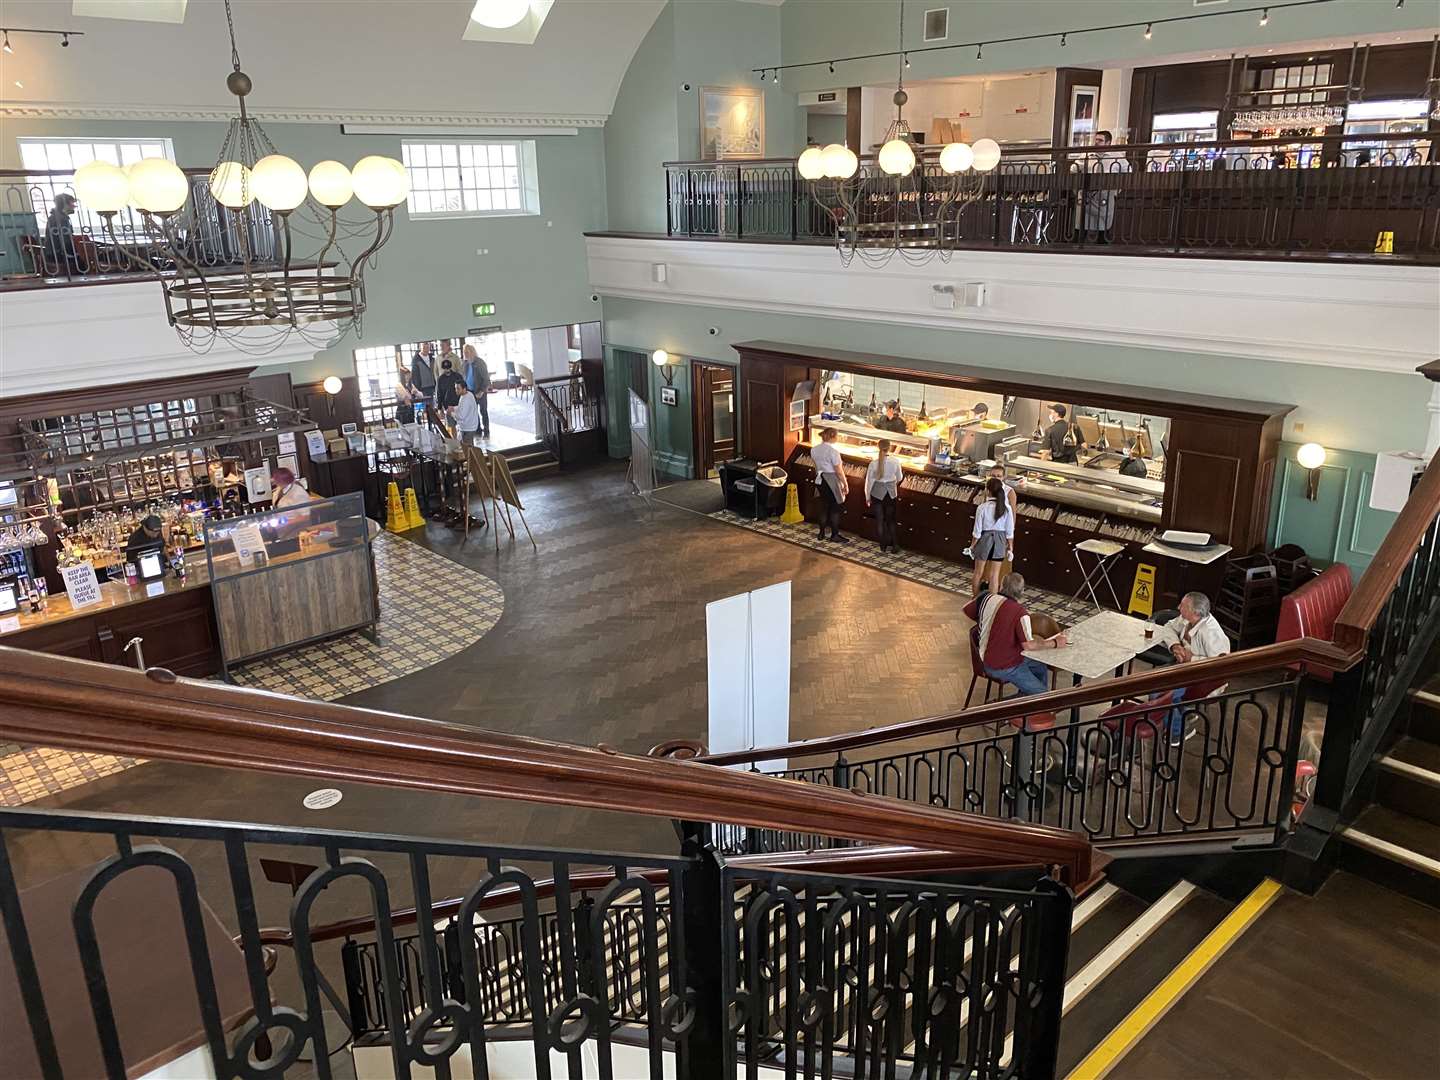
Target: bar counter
{"points": [[175, 619]]}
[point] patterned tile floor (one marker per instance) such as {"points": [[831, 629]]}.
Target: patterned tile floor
{"points": [[430, 608], [925, 569]]}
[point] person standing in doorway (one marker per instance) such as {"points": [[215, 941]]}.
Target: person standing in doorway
{"points": [[477, 378], [831, 484], [993, 537], [882, 492], [422, 372]]}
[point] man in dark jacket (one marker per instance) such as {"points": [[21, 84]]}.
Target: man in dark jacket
{"points": [[448, 387], [422, 370]]}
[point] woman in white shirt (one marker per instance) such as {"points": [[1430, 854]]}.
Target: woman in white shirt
{"points": [[993, 536], [831, 485], [882, 491]]}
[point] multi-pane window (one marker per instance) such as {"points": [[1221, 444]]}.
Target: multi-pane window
{"points": [[1299, 77], [471, 179], [39, 156]]}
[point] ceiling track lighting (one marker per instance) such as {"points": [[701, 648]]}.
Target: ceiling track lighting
{"points": [[1265, 17], [832, 67], [63, 35], [1149, 31], [907, 61], [1062, 39], [980, 51]]}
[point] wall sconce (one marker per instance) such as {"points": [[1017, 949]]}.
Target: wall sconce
{"points": [[662, 360], [332, 385], [1311, 456]]}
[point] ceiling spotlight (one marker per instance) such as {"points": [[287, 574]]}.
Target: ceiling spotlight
{"points": [[832, 67], [1062, 39], [1148, 31], [980, 51], [64, 41], [907, 61], [1399, 4], [1265, 17], [6, 46], [763, 73]]}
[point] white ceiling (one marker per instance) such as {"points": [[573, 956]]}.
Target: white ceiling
{"points": [[325, 60]]}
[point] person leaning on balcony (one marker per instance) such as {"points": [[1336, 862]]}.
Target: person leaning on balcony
{"points": [[1005, 637], [60, 235], [1098, 212]]}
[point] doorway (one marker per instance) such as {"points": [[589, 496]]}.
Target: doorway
{"points": [[714, 416]]}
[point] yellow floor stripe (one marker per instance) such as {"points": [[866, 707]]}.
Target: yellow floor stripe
{"points": [[1149, 1012]]}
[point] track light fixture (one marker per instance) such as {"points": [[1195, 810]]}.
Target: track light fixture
{"points": [[6, 46], [64, 41], [1062, 39], [63, 35], [907, 61], [832, 67], [1149, 31], [980, 51], [1265, 17]]}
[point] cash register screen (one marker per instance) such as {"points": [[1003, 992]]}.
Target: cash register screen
{"points": [[151, 566], [8, 602]]}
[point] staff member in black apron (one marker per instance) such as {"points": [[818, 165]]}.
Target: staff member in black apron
{"points": [[831, 485], [882, 490], [1062, 438]]}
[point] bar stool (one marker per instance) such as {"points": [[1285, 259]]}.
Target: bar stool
{"points": [[1105, 552]]}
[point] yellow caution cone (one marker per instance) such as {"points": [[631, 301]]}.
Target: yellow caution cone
{"points": [[792, 515], [412, 510], [395, 519]]}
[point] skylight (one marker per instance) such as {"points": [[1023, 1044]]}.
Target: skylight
{"points": [[163, 11], [490, 20]]}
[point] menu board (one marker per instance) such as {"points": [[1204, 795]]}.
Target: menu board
{"points": [[81, 585]]}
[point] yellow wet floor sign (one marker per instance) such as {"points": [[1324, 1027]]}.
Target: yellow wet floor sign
{"points": [[1142, 593]]}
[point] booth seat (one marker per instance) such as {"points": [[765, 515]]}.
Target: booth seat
{"points": [[1311, 610]]}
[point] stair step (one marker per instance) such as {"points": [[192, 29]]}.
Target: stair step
{"points": [[1090, 937], [1124, 984], [1409, 779], [1396, 850], [1425, 713]]}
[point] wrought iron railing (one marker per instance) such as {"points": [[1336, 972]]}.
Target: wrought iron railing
{"points": [[634, 943], [82, 248], [1361, 195]]}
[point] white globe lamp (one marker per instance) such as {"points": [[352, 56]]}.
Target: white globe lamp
{"points": [[499, 14], [811, 164], [832, 160], [897, 158], [158, 185], [331, 184], [380, 182], [332, 384], [660, 358], [231, 185], [1311, 455], [987, 154], [956, 157], [849, 162], [278, 183], [102, 187]]}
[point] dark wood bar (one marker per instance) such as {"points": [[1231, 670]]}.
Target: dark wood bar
{"points": [[1220, 459]]}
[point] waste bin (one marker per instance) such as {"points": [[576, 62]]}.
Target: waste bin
{"points": [[770, 483]]}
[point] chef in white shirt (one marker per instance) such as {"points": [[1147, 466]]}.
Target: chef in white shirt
{"points": [[882, 492], [831, 486]]}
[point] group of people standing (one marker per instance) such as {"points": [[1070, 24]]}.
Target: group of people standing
{"points": [[460, 386]]}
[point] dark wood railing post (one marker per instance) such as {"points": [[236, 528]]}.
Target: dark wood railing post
{"points": [[669, 203], [794, 203], [354, 986], [740, 201], [704, 920], [690, 201]]}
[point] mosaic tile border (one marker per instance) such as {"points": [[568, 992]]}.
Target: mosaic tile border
{"points": [[431, 607], [928, 570]]}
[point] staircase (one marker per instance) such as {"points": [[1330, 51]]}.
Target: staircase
{"points": [[530, 462], [1395, 841]]}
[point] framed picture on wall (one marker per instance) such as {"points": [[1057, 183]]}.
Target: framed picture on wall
{"points": [[732, 123], [669, 396], [1084, 106]]}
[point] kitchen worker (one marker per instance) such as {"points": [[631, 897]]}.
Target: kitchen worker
{"points": [[831, 485]]}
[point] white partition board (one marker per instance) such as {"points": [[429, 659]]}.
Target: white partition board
{"points": [[748, 647]]}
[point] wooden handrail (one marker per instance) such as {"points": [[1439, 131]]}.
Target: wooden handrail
{"points": [[59, 701], [1357, 617], [554, 409], [1224, 668]]}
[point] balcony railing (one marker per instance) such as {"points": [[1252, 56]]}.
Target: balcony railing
{"points": [[39, 248], [1370, 196]]}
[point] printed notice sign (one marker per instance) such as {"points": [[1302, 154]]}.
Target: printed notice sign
{"points": [[248, 543], [80, 585], [286, 441], [315, 443]]}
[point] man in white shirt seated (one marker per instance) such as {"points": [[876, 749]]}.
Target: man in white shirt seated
{"points": [[1198, 636]]}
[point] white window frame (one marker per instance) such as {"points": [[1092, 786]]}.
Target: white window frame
{"points": [[529, 179]]}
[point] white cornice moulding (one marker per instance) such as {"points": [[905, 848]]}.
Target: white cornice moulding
{"points": [[1366, 317], [50, 110]]}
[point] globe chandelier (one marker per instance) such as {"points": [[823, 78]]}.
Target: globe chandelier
{"points": [[899, 204], [258, 253]]}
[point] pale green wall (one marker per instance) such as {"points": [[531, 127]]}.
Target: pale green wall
{"points": [[429, 274], [825, 128], [702, 43], [1339, 525], [822, 29]]}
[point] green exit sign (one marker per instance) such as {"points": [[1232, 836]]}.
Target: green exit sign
{"points": [[482, 311]]}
